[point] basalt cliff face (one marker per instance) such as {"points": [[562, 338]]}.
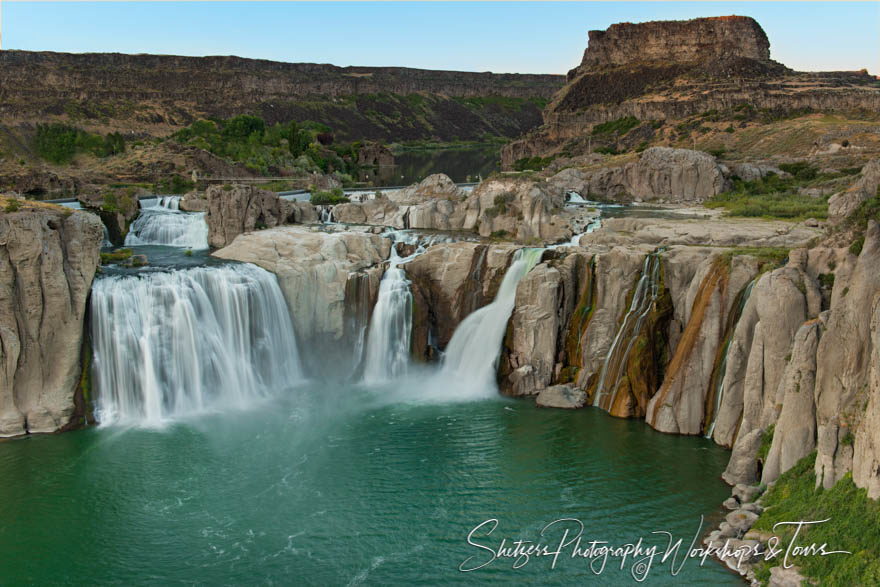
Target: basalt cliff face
{"points": [[665, 71], [152, 93], [48, 258]]}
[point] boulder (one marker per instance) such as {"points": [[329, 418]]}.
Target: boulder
{"points": [[561, 396], [48, 257]]}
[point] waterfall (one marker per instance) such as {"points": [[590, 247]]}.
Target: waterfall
{"points": [[326, 215], [169, 344], [718, 376], [643, 298], [388, 341], [164, 224], [472, 355], [594, 224]]}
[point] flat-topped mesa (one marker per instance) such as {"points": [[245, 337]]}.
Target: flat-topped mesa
{"points": [[684, 42]]}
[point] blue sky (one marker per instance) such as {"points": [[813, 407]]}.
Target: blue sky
{"points": [[524, 37]]}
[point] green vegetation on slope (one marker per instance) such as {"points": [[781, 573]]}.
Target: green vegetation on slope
{"points": [[297, 147], [59, 143], [621, 126], [773, 197], [853, 525], [858, 221]]}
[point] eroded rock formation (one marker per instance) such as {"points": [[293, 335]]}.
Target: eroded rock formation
{"points": [[48, 257], [237, 209]]}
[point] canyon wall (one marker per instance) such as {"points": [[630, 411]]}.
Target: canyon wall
{"points": [[151, 94], [671, 70]]}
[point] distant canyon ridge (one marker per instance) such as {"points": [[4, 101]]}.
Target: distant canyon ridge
{"points": [[155, 93]]}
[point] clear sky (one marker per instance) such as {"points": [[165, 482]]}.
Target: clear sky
{"points": [[523, 37]]}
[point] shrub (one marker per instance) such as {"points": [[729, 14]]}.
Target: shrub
{"points": [[766, 442], [533, 164], [827, 280], [605, 150], [336, 196], [856, 247], [56, 143], [642, 146], [801, 170], [719, 152], [12, 205], [59, 143]]}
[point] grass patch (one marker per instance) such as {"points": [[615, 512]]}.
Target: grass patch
{"points": [[533, 164], [116, 256], [621, 126], [774, 256], [854, 526], [771, 197], [766, 442]]}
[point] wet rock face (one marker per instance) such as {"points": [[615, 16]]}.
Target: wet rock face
{"points": [[48, 258], [243, 208], [689, 41]]}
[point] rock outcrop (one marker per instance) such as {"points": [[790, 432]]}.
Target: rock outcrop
{"points": [[671, 70], [314, 269], [449, 282], [659, 174], [117, 209], [845, 203], [375, 155], [524, 210], [844, 370], [243, 208], [48, 258], [691, 41]]}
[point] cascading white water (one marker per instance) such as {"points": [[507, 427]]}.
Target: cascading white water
{"points": [[164, 224], [722, 367], [472, 355], [388, 341], [645, 293], [594, 224], [169, 344]]}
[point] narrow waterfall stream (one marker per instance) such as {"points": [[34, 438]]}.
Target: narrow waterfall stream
{"points": [[388, 341], [164, 224], [719, 375], [643, 298], [472, 354], [172, 343]]}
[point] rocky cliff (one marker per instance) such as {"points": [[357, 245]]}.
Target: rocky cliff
{"points": [[48, 257], [664, 71], [150, 93], [690, 42]]}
